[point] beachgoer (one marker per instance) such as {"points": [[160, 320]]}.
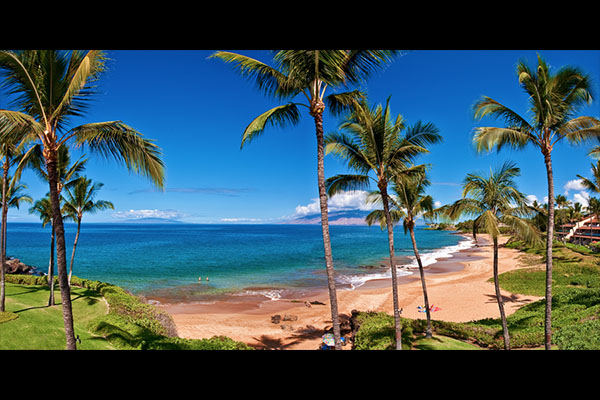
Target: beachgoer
{"points": [[207, 278], [199, 279]]}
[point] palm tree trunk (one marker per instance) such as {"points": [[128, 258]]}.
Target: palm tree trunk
{"points": [[390, 229], [51, 269], [335, 319], [2, 237], [74, 247], [61, 264], [549, 238], [499, 298], [428, 332]]}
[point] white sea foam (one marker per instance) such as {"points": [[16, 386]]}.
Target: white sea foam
{"points": [[355, 281], [444, 252], [273, 294]]}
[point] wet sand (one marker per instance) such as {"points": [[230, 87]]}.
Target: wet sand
{"points": [[458, 286]]}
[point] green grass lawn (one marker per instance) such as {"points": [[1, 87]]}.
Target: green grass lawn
{"points": [[442, 343], [39, 327]]}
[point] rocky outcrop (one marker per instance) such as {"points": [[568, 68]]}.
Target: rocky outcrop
{"points": [[15, 266]]}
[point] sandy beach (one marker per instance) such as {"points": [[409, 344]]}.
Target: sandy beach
{"points": [[458, 286]]}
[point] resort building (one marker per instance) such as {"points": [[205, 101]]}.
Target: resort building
{"points": [[583, 232]]}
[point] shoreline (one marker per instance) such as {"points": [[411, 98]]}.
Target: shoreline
{"points": [[457, 285]]}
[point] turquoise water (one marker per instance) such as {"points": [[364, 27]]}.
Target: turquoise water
{"points": [[165, 260]]}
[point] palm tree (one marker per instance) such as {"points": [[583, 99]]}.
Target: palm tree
{"points": [[561, 201], [376, 148], [43, 208], [14, 194], [409, 203], [51, 87], [8, 150], [308, 74], [79, 199], [493, 200], [593, 184], [594, 207], [554, 101]]}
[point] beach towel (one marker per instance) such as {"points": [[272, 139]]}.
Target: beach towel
{"points": [[424, 309]]}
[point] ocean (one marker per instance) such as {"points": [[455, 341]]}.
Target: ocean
{"points": [[165, 260]]}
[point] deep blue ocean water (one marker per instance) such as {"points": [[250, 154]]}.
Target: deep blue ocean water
{"points": [[165, 260]]}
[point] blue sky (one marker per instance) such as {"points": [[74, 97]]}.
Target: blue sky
{"points": [[197, 108]]}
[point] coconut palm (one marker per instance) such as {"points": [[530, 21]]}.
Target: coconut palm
{"points": [[43, 208], [494, 199], [561, 201], [380, 148], [14, 194], [554, 99], [8, 150], [594, 207], [49, 88], [409, 203], [79, 199], [308, 74]]}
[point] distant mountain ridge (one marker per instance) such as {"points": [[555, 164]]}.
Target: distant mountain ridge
{"points": [[151, 220], [343, 217]]}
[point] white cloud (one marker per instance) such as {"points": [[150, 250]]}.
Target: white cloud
{"points": [[575, 184], [351, 200], [437, 204], [136, 214], [581, 197], [531, 198], [241, 220]]}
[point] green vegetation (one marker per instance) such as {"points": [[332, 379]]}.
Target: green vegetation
{"points": [[106, 317], [575, 307], [376, 332]]}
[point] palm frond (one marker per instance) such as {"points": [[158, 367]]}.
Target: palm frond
{"points": [[489, 138], [268, 79], [346, 182], [281, 116], [523, 229], [124, 144], [488, 223], [343, 102], [82, 70], [360, 64], [580, 130], [345, 147], [378, 216]]}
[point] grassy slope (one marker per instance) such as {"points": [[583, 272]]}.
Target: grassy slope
{"points": [[41, 327]]}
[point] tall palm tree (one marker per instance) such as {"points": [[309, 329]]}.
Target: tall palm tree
{"points": [[494, 199], [14, 194], [8, 150], [381, 149], [554, 101], [308, 74], [409, 203], [43, 208], [79, 199], [50, 87]]}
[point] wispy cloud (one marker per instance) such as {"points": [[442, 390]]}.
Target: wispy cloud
{"points": [[233, 192], [136, 214]]}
